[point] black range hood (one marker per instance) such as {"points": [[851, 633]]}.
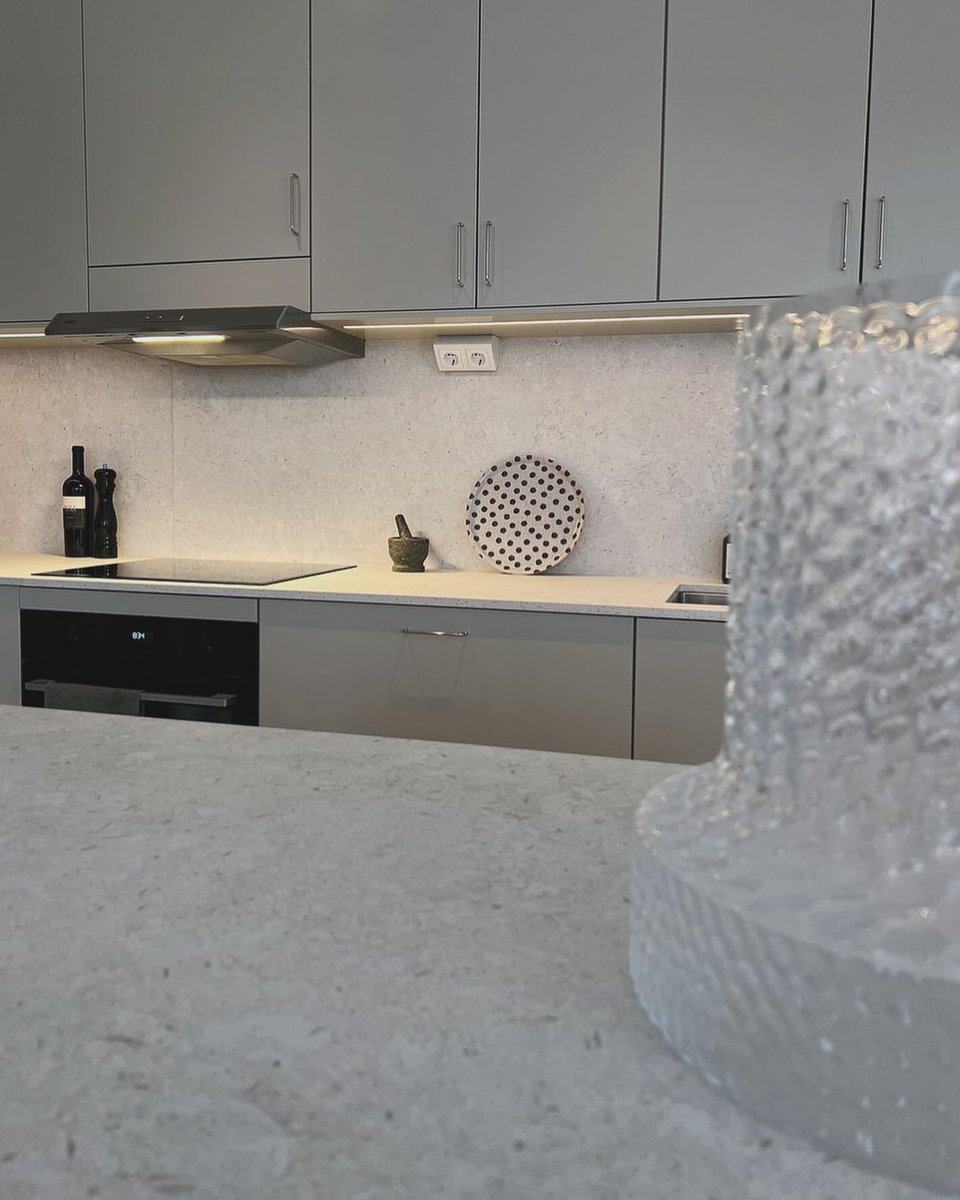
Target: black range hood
{"points": [[272, 336]]}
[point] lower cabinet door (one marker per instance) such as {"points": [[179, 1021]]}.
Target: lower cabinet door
{"points": [[545, 681], [681, 678], [9, 645]]}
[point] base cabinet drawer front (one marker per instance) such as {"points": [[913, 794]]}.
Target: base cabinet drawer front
{"points": [[681, 678], [545, 681], [9, 646]]}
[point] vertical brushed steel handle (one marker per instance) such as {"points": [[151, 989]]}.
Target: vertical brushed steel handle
{"points": [[295, 204], [488, 254], [460, 229], [846, 235], [881, 232]]}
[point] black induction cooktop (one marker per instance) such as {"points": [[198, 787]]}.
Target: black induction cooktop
{"points": [[198, 570]]}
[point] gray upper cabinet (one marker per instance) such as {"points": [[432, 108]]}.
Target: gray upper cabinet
{"points": [[913, 176], [202, 285], [198, 129], [764, 134], [570, 105], [43, 248], [394, 154]]}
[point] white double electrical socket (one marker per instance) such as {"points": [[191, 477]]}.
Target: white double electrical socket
{"points": [[466, 354]]}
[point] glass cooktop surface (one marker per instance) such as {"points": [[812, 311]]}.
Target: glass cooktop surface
{"points": [[198, 570]]}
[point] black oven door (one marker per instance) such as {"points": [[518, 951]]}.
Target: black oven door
{"points": [[155, 666]]}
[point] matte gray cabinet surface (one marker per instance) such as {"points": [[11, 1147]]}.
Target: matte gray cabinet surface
{"points": [[913, 165], [202, 285], [570, 106], [198, 129], [9, 646], [681, 675], [543, 681], [394, 154], [43, 248], [140, 604], [764, 134]]}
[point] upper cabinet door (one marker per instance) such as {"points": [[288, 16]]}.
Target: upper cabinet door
{"points": [[394, 154], [570, 116], [198, 129], [913, 164], [766, 104], [43, 247]]}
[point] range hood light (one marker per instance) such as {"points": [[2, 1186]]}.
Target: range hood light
{"points": [[25, 333], [160, 339]]}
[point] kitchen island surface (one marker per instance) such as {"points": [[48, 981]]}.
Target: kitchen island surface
{"points": [[252, 964]]}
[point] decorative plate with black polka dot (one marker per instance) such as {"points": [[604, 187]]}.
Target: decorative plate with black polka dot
{"points": [[525, 514]]}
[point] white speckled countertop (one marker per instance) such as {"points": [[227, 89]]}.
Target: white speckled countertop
{"points": [[250, 964], [629, 596]]}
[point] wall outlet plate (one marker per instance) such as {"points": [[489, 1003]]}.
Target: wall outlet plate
{"points": [[466, 354]]}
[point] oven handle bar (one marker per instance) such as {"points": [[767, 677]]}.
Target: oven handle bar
{"points": [[220, 700]]}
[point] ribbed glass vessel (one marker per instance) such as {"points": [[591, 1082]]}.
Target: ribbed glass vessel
{"points": [[797, 903]]}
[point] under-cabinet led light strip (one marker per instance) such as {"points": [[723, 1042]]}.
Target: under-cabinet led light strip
{"points": [[24, 333], [461, 326]]}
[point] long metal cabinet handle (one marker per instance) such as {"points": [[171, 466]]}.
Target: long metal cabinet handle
{"points": [[437, 632], [488, 254], [460, 229], [219, 700], [295, 204], [881, 232], [846, 235]]}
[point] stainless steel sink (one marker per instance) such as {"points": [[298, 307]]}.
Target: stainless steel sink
{"points": [[695, 593]]}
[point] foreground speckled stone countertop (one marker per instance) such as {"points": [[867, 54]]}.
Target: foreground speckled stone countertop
{"points": [[610, 595], [244, 964]]}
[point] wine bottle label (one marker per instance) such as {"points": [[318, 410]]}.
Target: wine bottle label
{"points": [[74, 512]]}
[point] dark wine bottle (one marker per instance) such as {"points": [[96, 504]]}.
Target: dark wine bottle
{"points": [[77, 492], [105, 522]]}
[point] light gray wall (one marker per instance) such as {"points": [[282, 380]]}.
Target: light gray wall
{"points": [[312, 465]]}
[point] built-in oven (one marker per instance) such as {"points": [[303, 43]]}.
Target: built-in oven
{"points": [[182, 657]]}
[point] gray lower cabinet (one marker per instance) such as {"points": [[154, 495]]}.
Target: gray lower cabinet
{"points": [[544, 681], [681, 677], [394, 154], [913, 181], [570, 118], [9, 646], [43, 248], [198, 129], [763, 145]]}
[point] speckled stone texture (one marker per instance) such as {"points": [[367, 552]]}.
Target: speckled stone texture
{"points": [[245, 964], [311, 465]]}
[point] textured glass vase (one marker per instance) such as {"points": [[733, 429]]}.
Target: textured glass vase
{"points": [[796, 919]]}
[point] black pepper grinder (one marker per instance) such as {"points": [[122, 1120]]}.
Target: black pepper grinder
{"points": [[105, 522]]}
